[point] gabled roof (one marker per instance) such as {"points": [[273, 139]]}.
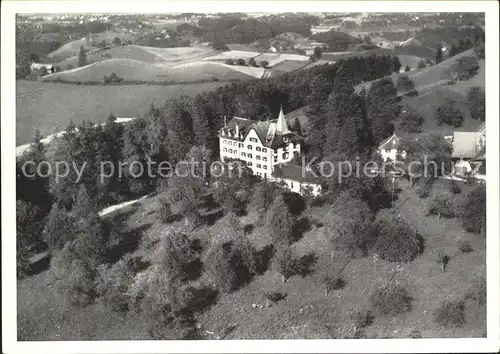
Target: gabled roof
{"points": [[294, 173], [392, 142]]}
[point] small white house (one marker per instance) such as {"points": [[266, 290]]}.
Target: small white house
{"points": [[388, 148], [296, 178]]}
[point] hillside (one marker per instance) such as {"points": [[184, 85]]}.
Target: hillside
{"points": [[72, 48], [430, 76]]}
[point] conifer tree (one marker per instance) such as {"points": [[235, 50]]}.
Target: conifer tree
{"points": [[279, 221]]}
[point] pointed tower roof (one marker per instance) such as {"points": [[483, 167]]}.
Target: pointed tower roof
{"points": [[281, 124]]}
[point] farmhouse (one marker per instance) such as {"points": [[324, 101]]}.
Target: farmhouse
{"points": [[388, 148], [469, 151], [263, 145], [39, 66]]}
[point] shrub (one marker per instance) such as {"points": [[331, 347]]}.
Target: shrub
{"points": [[229, 61], [264, 63], [454, 188], [252, 62], [442, 205], [415, 334], [333, 283], [275, 296], [476, 100], [464, 246], [421, 64], [405, 84], [166, 215], [477, 291], [113, 281], [395, 240], [284, 261], [474, 215], [465, 68], [362, 319], [391, 299], [451, 314], [240, 61]]}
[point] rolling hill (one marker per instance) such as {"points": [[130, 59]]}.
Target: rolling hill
{"points": [[134, 70]]}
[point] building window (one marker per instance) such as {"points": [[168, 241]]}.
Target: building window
{"points": [[257, 157], [249, 147], [264, 167], [258, 148], [285, 155], [264, 159], [264, 150], [225, 149], [388, 150], [253, 140], [258, 165], [243, 154], [291, 184], [249, 156], [249, 163], [275, 158], [265, 174], [224, 141], [240, 145]]}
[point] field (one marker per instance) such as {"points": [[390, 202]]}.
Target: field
{"points": [[306, 312], [50, 106], [409, 60], [72, 48]]}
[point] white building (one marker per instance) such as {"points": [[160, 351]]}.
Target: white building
{"points": [[388, 148], [262, 145]]}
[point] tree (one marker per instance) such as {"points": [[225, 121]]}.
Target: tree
{"points": [[183, 194], [180, 127], [451, 314], [82, 57], [264, 63], [395, 240], [407, 68], [252, 62], [453, 50], [421, 64], [284, 261], [84, 204], [117, 41], [349, 224], [382, 108], [262, 196], [442, 205], [318, 51], [92, 240], [279, 221], [476, 100], [464, 68], [411, 120], [449, 113], [175, 254], [474, 215], [28, 230], [439, 55], [202, 122], [405, 84], [59, 228], [229, 61], [396, 64], [392, 299], [240, 61]]}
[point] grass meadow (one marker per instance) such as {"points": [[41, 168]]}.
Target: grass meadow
{"points": [[49, 107]]}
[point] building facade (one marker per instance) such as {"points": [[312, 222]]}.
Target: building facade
{"points": [[261, 145]]}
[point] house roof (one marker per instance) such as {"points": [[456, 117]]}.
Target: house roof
{"points": [[294, 173], [392, 142], [271, 132], [464, 145], [481, 128]]}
